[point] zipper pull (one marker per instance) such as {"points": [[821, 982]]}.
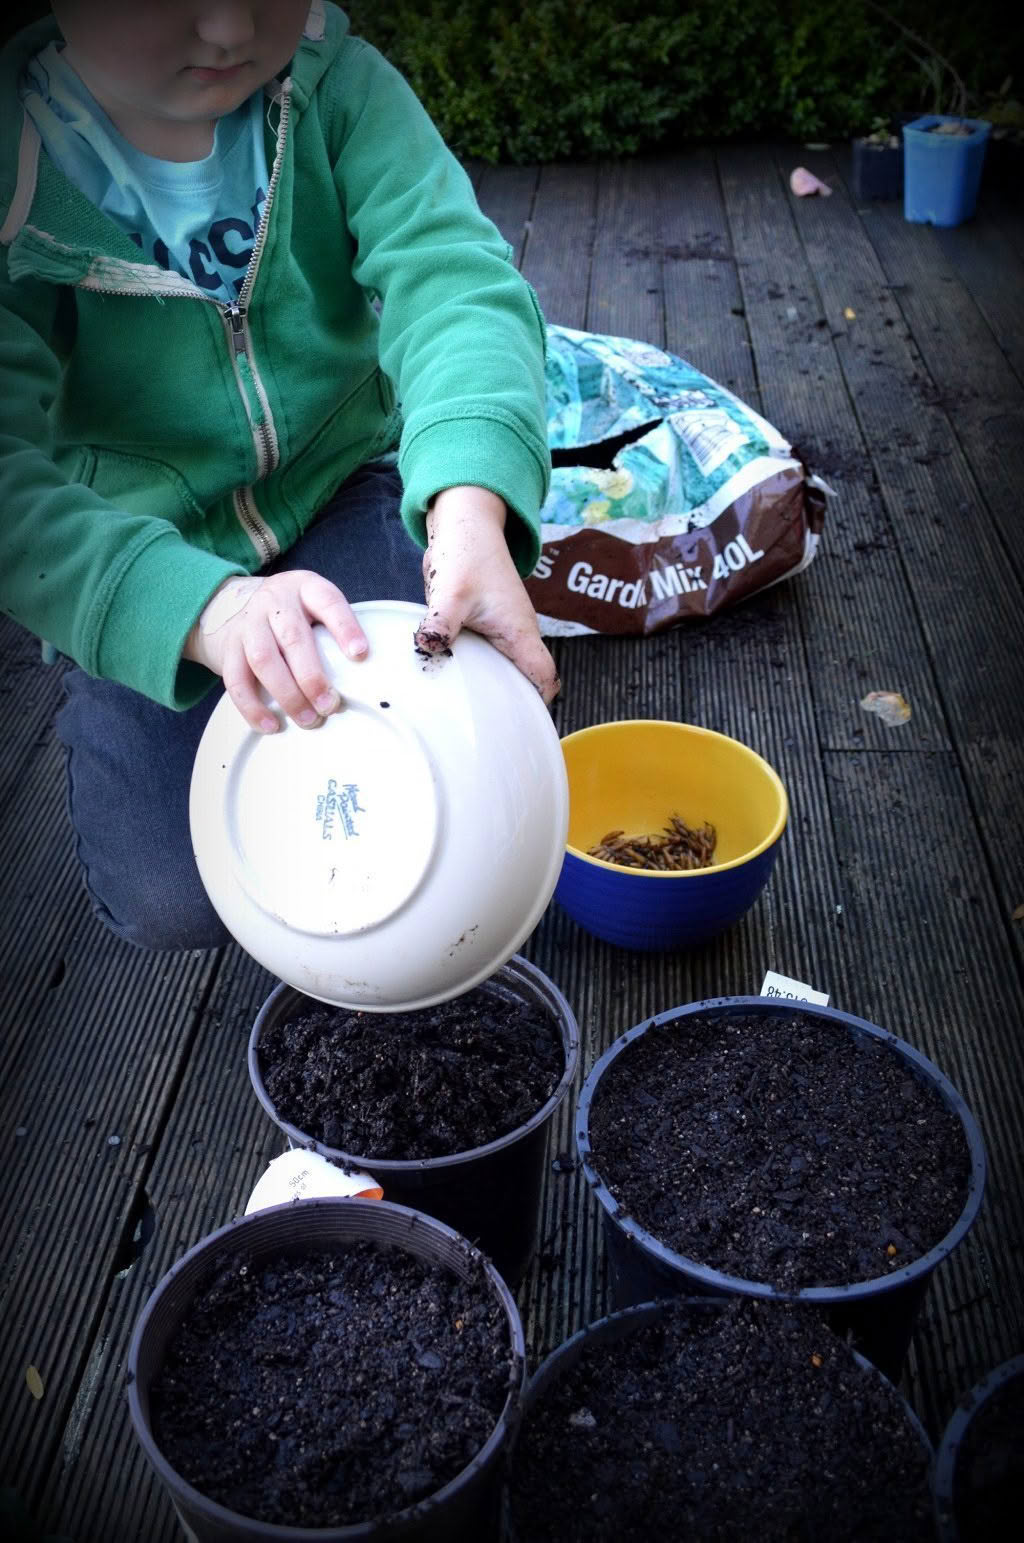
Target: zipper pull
{"points": [[235, 315]]}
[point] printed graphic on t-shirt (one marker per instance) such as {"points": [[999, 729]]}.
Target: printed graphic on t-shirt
{"points": [[196, 218], [215, 260]]}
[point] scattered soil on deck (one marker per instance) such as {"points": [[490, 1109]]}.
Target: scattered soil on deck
{"points": [[721, 1424], [332, 1389], [779, 1148], [441, 1080], [990, 1466]]}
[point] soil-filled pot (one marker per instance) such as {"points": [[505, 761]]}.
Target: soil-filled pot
{"points": [[943, 159], [429, 1066], [771, 1149], [327, 1357], [979, 1466], [725, 1421]]}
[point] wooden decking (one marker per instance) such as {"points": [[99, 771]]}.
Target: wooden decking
{"points": [[892, 355]]}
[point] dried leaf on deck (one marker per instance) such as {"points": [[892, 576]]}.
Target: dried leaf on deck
{"points": [[890, 706], [1018, 914], [34, 1382]]}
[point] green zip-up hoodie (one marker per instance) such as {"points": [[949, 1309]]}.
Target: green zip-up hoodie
{"points": [[155, 440]]}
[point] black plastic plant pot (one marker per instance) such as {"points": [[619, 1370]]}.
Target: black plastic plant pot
{"points": [[878, 1314], [490, 1194], [611, 1330], [1004, 164], [465, 1508], [877, 171], [979, 1465]]}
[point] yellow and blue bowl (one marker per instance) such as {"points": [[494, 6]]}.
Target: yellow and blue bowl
{"points": [[633, 776]]}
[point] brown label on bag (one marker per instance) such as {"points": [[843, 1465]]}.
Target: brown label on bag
{"points": [[602, 581]]}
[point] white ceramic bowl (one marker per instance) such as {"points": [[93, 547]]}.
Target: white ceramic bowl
{"points": [[400, 853]]}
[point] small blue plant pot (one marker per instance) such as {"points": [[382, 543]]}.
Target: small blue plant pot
{"points": [[942, 172]]}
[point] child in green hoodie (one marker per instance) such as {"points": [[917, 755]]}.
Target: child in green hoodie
{"points": [[258, 349]]}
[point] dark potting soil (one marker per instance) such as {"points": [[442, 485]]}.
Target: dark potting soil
{"points": [[989, 1478], [335, 1388], [723, 1424], [429, 1083], [779, 1148]]}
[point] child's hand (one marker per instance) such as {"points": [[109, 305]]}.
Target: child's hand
{"points": [[257, 632], [471, 581]]}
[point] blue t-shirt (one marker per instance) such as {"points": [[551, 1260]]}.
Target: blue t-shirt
{"points": [[198, 218]]}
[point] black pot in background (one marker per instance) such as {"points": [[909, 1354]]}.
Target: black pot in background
{"points": [[466, 1509], [607, 1331], [877, 171], [490, 1194], [1004, 1475], [1004, 165], [880, 1313]]}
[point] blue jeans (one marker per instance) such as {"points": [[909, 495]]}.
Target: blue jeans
{"points": [[129, 760]]}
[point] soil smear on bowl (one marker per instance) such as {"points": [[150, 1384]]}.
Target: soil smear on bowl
{"points": [[723, 1424], [989, 1473], [334, 1388], [429, 1083], [779, 1148]]}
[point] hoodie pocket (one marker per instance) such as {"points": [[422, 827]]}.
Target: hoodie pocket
{"points": [[135, 483]]}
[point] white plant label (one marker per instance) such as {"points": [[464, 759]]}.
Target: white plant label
{"points": [[776, 985]]}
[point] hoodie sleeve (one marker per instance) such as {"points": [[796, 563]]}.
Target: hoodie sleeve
{"points": [[64, 549], [462, 337]]}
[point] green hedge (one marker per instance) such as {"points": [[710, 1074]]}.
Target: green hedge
{"points": [[543, 80]]}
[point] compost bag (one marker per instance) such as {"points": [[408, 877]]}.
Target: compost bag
{"points": [[670, 498]]}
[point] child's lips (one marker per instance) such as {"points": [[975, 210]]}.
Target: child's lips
{"points": [[199, 72]]}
